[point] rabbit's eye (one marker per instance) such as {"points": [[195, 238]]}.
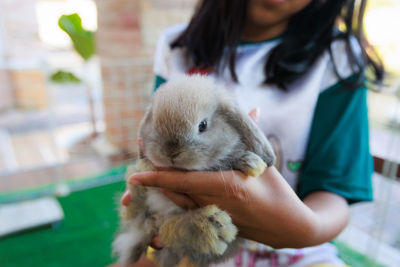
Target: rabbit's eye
{"points": [[203, 126]]}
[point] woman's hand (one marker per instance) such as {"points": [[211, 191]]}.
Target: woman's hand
{"points": [[265, 209]]}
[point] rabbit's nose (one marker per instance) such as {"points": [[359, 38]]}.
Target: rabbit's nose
{"points": [[172, 145], [173, 156]]}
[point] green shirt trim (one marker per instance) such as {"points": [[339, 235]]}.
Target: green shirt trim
{"points": [[337, 156], [158, 81]]}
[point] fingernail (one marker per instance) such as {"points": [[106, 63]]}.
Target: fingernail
{"points": [[258, 113], [136, 178], [157, 241], [134, 182], [126, 198]]}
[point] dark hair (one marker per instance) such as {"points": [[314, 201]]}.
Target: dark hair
{"points": [[216, 26]]}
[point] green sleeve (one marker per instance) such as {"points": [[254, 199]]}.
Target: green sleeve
{"points": [[337, 156], [158, 81]]}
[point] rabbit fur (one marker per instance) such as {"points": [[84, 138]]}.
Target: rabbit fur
{"points": [[173, 136]]}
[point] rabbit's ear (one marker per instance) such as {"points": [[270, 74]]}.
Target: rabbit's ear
{"points": [[146, 121], [251, 135], [145, 126]]}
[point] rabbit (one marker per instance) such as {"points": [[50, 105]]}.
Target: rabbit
{"points": [[191, 124]]}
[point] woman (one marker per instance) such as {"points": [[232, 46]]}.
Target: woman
{"points": [[288, 58]]}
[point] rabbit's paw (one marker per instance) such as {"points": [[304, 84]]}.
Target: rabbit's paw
{"points": [[215, 230], [208, 230], [257, 171], [251, 164]]}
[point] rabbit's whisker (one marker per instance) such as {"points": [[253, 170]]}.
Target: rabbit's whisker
{"points": [[222, 177]]}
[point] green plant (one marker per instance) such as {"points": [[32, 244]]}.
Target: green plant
{"points": [[84, 44], [62, 76], [83, 40]]}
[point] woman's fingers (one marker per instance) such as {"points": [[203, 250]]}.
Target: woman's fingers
{"points": [[255, 114], [156, 243], [210, 183], [126, 198], [182, 200]]}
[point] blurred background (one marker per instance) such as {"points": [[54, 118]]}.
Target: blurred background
{"points": [[75, 77]]}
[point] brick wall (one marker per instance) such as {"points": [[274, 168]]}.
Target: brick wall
{"points": [[119, 46], [126, 94], [156, 15], [118, 34], [126, 36]]}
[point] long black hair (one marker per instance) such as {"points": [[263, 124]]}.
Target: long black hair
{"points": [[216, 27]]}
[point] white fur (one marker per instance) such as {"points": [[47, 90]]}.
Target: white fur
{"points": [[159, 204], [127, 240]]}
